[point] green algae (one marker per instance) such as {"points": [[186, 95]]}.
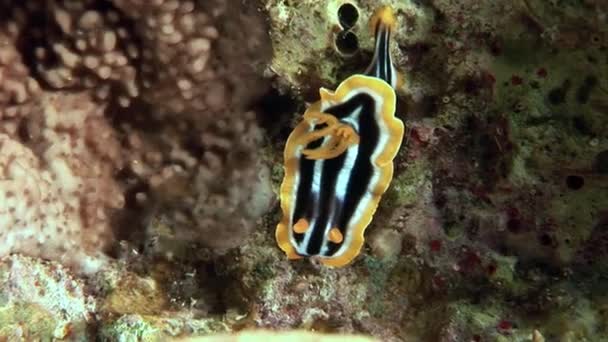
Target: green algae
{"points": [[263, 270], [302, 31], [577, 212], [276, 174], [41, 301], [477, 318], [27, 321], [379, 273], [131, 328], [405, 186], [576, 322], [134, 294], [554, 108], [504, 275], [158, 328]]}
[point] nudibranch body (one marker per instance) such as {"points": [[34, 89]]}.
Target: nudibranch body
{"points": [[339, 160]]}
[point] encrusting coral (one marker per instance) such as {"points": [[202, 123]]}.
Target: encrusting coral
{"points": [[106, 107], [57, 157], [44, 291], [17, 87], [176, 42], [57, 186], [78, 46]]}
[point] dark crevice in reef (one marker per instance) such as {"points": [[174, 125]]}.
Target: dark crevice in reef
{"points": [[274, 112], [205, 286], [131, 215], [600, 162]]}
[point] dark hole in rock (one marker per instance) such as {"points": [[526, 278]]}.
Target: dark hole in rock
{"points": [[584, 91], [582, 125], [348, 15], [347, 43], [24, 132], [274, 110], [545, 240], [600, 164], [534, 84], [440, 200], [590, 81], [558, 95], [514, 225], [575, 182]]}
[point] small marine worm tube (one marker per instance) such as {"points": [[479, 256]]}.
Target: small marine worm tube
{"points": [[347, 43], [348, 15]]}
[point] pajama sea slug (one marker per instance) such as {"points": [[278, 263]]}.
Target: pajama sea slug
{"points": [[339, 159]]}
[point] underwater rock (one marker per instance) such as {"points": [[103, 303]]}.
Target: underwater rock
{"points": [[334, 32], [302, 336], [156, 328], [42, 301]]}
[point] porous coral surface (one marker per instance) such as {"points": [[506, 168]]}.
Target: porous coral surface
{"points": [[55, 204], [141, 155]]}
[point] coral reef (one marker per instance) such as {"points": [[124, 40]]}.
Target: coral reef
{"points": [[141, 151], [57, 186], [211, 142], [18, 88], [116, 109]]}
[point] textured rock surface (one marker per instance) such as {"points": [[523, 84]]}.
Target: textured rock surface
{"points": [[41, 300]]}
